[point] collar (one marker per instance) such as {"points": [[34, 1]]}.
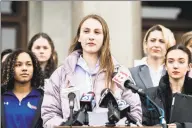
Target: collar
{"points": [[34, 92], [82, 63], [143, 61], [70, 62], [164, 84]]}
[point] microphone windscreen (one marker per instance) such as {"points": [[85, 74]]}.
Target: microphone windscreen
{"points": [[71, 95], [88, 99], [65, 93], [106, 96]]}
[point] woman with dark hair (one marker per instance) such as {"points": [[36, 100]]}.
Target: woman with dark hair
{"points": [[21, 91], [176, 80], [42, 46], [89, 67]]}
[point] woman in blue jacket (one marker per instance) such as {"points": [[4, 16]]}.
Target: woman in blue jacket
{"points": [[21, 91]]}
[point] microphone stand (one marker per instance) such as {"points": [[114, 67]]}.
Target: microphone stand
{"points": [[159, 110], [70, 121], [71, 115], [113, 115], [71, 97], [86, 119], [82, 117], [130, 85]]}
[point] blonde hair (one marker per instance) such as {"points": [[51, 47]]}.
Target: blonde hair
{"points": [[167, 35], [186, 37], [106, 62]]}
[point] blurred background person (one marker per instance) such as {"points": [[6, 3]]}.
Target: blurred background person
{"points": [[43, 47], [5, 53], [55, 57], [176, 80], [151, 68], [186, 39], [21, 91]]}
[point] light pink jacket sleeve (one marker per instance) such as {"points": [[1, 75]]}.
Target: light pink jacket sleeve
{"points": [[131, 98], [134, 101], [51, 111]]}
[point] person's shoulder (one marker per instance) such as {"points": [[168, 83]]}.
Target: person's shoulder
{"points": [[40, 90], [73, 55], [59, 70], [3, 88], [70, 61], [137, 68], [151, 91]]}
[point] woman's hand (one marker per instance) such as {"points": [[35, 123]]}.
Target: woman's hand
{"points": [[172, 125]]}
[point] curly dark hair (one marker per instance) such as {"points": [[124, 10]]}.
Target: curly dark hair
{"points": [[51, 64], [7, 76]]}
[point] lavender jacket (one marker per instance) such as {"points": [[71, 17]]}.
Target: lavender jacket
{"points": [[55, 106]]}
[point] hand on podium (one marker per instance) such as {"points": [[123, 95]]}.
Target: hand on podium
{"points": [[173, 125]]}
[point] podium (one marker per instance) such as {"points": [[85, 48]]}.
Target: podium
{"points": [[106, 127]]}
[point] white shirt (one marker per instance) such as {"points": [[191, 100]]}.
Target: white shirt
{"points": [[155, 75], [84, 75]]}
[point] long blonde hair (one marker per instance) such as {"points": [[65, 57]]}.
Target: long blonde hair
{"points": [[167, 35], [106, 61]]}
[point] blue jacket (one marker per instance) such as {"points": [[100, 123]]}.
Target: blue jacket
{"points": [[36, 123]]}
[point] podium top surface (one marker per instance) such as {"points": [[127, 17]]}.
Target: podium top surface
{"points": [[106, 127]]}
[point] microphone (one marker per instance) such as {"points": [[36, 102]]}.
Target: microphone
{"points": [[123, 108], [88, 100], [130, 85], [71, 97], [65, 94], [124, 79], [108, 100], [72, 93], [87, 103], [106, 96]]}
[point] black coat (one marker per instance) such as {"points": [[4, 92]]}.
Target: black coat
{"points": [[162, 96], [37, 122]]}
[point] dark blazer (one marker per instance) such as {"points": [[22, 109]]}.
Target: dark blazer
{"points": [[162, 96], [37, 122], [141, 76]]}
